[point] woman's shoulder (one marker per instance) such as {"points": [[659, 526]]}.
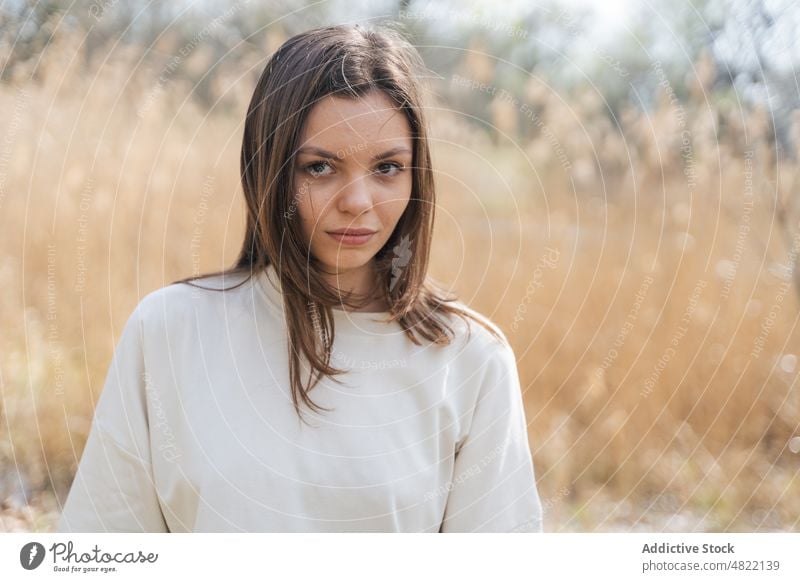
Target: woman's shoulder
{"points": [[186, 298], [475, 331], [480, 354]]}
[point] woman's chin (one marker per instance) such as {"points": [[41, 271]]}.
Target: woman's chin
{"points": [[347, 263]]}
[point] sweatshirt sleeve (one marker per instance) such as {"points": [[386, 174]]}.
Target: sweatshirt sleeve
{"points": [[113, 489], [493, 488]]}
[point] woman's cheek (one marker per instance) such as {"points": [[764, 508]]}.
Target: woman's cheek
{"points": [[396, 200], [308, 202]]}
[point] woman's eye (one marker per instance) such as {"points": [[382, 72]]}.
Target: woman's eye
{"points": [[389, 169], [318, 169]]}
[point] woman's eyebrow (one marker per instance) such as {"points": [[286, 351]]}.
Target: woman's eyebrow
{"points": [[330, 155], [392, 152], [317, 151]]}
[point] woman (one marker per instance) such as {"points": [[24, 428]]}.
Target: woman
{"points": [[323, 383]]}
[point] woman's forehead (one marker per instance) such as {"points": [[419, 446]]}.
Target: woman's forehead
{"points": [[356, 124]]}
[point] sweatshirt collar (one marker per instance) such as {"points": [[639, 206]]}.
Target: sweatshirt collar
{"points": [[347, 322]]}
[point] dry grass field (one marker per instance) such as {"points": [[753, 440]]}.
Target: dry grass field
{"points": [[648, 286]]}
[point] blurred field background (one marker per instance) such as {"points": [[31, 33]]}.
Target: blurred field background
{"points": [[618, 191]]}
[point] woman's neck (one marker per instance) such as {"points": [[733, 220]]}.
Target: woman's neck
{"points": [[360, 281]]}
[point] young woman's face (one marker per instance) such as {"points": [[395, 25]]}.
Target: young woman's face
{"points": [[352, 173]]}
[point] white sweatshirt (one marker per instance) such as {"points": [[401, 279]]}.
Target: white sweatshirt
{"points": [[195, 428]]}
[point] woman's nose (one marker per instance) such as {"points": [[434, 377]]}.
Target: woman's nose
{"points": [[355, 197]]}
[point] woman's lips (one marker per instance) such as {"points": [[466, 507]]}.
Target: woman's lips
{"points": [[352, 239]]}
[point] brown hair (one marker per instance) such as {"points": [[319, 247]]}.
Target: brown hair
{"points": [[345, 61]]}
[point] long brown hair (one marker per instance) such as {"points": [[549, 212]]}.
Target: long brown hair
{"points": [[345, 61]]}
